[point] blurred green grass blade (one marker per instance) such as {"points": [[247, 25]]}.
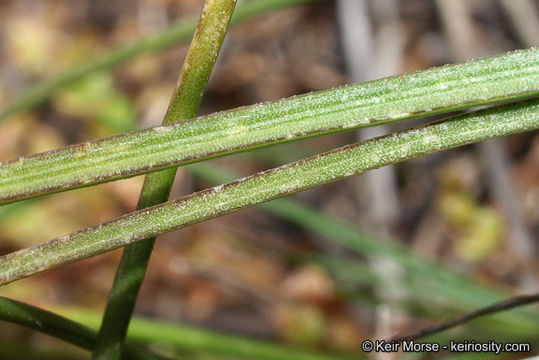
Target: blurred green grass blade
{"points": [[511, 76], [271, 184], [181, 31], [434, 283], [196, 70], [190, 339], [427, 282], [81, 332], [59, 327]]}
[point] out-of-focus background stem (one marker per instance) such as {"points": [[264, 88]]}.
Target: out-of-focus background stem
{"points": [[372, 44], [464, 43]]}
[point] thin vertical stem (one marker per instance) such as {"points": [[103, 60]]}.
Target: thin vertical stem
{"points": [[200, 60]]}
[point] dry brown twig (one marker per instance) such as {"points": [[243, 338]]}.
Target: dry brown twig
{"points": [[507, 304]]}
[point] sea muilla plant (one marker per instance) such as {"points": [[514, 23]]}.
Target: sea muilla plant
{"points": [[507, 85]]}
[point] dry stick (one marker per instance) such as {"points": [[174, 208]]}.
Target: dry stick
{"points": [[523, 17], [371, 54], [501, 306], [184, 104], [459, 29], [465, 44], [367, 61]]}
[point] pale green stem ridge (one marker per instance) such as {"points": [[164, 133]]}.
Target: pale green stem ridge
{"points": [[196, 70], [271, 184], [511, 76], [179, 32]]}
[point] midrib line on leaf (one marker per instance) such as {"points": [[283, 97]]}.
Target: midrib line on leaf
{"points": [[438, 90], [270, 184]]}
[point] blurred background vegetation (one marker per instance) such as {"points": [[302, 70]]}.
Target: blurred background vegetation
{"points": [[269, 275]]}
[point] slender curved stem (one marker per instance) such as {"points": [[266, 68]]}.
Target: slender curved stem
{"points": [[504, 305], [191, 339], [82, 333], [439, 90], [271, 184], [59, 327], [198, 65], [179, 32]]}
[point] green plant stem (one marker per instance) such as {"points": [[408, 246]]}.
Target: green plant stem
{"points": [[190, 339], [271, 184], [439, 90], [59, 327], [196, 70], [82, 332], [181, 31]]}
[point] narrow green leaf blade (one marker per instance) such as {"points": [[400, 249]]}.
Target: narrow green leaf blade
{"points": [[271, 184], [511, 76], [200, 341], [80, 331], [60, 327]]}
